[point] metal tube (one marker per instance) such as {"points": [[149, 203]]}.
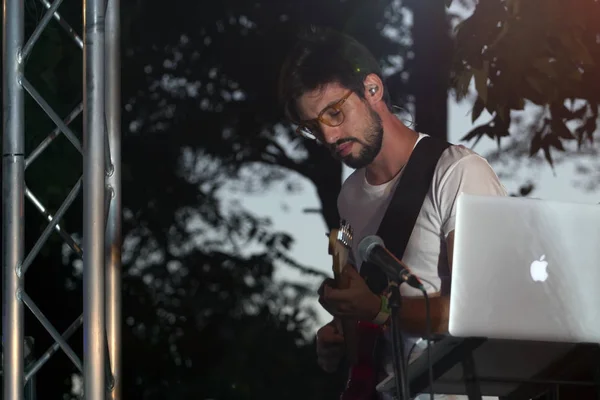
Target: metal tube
{"points": [[70, 31], [55, 132], [51, 113], [39, 29], [66, 237], [51, 330], [108, 192], [35, 367], [113, 229], [93, 201], [48, 229], [13, 189], [30, 392]]}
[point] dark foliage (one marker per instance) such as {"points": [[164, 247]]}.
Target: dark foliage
{"points": [[202, 315]]}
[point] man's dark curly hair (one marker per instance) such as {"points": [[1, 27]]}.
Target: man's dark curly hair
{"points": [[322, 56]]}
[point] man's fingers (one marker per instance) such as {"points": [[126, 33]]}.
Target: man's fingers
{"points": [[328, 307], [329, 340], [330, 293], [330, 347], [335, 301], [322, 302], [332, 352], [330, 333], [329, 357], [337, 309], [337, 323], [327, 365], [332, 339], [327, 282]]}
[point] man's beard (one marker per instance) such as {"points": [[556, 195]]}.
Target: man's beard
{"points": [[371, 146]]}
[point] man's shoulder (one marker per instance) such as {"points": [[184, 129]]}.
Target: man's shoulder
{"points": [[462, 167], [458, 157], [455, 153]]}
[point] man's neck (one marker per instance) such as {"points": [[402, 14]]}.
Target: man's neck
{"points": [[397, 145]]}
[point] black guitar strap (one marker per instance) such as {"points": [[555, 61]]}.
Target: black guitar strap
{"points": [[405, 205]]}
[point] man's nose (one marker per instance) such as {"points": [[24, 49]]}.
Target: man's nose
{"points": [[331, 134]]}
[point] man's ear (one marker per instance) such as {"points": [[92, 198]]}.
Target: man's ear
{"points": [[373, 89]]}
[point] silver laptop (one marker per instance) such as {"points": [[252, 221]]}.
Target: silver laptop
{"points": [[526, 269]]}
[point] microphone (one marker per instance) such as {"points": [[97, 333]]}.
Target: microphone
{"points": [[372, 249]]}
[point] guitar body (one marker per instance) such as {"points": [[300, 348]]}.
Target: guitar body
{"points": [[361, 338], [363, 373]]}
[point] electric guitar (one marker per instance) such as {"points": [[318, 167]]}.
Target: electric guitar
{"points": [[361, 337]]}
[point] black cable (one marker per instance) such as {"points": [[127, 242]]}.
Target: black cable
{"points": [[402, 389], [428, 337], [412, 348]]}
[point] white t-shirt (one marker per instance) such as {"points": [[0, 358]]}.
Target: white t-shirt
{"points": [[459, 169]]}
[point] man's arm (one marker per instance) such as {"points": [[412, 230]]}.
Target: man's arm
{"points": [[471, 174], [413, 314]]}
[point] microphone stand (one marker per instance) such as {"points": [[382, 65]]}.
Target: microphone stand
{"points": [[395, 304]]}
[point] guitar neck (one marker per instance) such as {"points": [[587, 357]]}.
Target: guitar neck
{"points": [[339, 252], [348, 325]]}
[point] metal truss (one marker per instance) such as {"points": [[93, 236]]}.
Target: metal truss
{"points": [[101, 185]]}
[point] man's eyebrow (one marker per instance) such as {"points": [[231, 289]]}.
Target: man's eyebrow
{"points": [[331, 103]]}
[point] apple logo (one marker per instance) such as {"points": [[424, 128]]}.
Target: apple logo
{"points": [[538, 269]]}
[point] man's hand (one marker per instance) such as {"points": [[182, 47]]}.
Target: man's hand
{"points": [[357, 301], [330, 347]]}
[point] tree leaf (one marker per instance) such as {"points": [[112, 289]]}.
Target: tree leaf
{"points": [[541, 58], [579, 113], [519, 104], [500, 36], [462, 83], [478, 108], [583, 53], [481, 79], [578, 52], [590, 127], [546, 67], [548, 156], [502, 115], [560, 130], [554, 140], [536, 143], [476, 133], [535, 84], [514, 7]]}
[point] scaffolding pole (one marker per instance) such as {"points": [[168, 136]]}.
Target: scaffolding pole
{"points": [[13, 189], [113, 229], [94, 129], [101, 184]]}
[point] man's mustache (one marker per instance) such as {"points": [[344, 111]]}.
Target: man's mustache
{"points": [[340, 142]]}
